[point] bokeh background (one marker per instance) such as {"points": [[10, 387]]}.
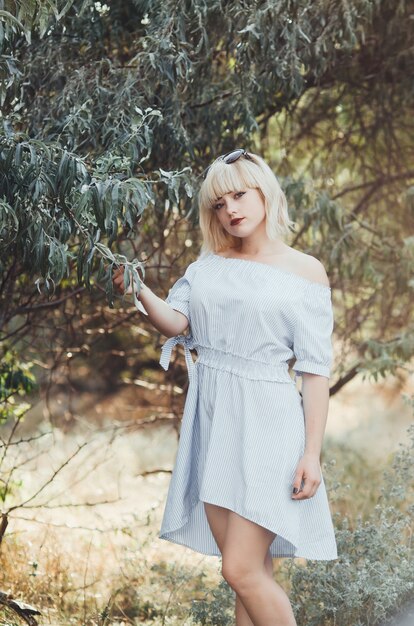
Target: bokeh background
{"points": [[110, 112]]}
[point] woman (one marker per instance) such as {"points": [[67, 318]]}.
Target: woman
{"points": [[247, 483]]}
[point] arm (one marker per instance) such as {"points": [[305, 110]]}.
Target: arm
{"points": [[315, 393], [163, 317], [315, 349]]}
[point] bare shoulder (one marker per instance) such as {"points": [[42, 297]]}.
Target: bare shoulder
{"points": [[309, 267]]}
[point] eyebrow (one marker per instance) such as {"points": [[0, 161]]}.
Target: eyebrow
{"points": [[221, 197]]}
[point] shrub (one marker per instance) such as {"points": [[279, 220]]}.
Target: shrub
{"points": [[374, 574], [216, 608]]}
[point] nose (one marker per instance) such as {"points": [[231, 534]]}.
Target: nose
{"points": [[231, 206]]}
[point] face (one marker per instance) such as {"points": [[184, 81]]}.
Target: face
{"points": [[246, 204]]}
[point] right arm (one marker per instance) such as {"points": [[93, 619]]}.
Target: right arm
{"points": [[164, 318]]}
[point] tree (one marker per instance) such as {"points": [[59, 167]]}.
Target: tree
{"points": [[110, 113]]}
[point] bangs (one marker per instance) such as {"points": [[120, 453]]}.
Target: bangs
{"points": [[225, 178]]}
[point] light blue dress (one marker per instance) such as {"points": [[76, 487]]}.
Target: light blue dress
{"points": [[243, 432]]}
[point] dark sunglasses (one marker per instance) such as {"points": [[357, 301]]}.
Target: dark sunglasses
{"points": [[229, 158]]}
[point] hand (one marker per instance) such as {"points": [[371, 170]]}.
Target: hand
{"points": [[307, 478], [118, 280]]}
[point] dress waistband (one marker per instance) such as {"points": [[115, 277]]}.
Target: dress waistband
{"points": [[219, 359], [243, 366]]}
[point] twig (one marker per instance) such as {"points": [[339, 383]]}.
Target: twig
{"points": [[154, 471], [72, 504], [50, 480], [20, 441], [46, 305], [67, 526]]}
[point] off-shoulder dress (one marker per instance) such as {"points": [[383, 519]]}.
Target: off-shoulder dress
{"points": [[243, 429]]}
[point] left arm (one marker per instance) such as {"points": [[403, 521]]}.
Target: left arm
{"points": [[313, 351], [315, 393]]}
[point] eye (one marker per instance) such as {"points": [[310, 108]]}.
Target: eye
{"points": [[237, 194]]}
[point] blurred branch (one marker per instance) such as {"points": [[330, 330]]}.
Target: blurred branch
{"points": [[47, 305], [23, 610]]}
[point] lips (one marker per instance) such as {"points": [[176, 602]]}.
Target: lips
{"points": [[236, 221]]}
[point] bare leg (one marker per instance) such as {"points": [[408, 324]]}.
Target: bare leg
{"points": [[217, 517], [244, 553], [242, 616]]}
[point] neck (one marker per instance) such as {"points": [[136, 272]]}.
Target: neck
{"points": [[270, 248]]}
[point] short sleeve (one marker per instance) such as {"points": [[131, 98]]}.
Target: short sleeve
{"points": [[179, 295], [312, 334]]}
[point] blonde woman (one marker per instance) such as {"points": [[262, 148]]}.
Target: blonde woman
{"points": [[247, 483]]}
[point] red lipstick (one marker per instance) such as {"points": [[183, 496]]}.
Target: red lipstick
{"points": [[236, 221]]}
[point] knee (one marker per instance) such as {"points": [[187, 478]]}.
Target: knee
{"points": [[239, 575]]}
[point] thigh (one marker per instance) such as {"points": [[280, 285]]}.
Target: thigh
{"points": [[217, 517], [246, 546]]}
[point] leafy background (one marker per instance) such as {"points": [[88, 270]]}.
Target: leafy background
{"points": [[109, 115]]}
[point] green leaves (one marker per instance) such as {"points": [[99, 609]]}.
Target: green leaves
{"points": [[16, 379], [174, 180], [374, 574], [50, 201], [131, 275], [112, 112], [26, 18], [113, 200], [384, 357]]}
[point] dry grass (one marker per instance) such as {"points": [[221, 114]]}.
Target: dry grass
{"points": [[132, 577], [129, 576], [102, 583]]}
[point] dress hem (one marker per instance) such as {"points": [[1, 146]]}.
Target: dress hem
{"points": [[165, 536]]}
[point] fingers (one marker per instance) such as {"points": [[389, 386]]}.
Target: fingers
{"points": [[304, 486], [118, 280], [297, 484], [308, 490]]}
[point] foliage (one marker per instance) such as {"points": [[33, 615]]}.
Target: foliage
{"points": [[374, 575], [50, 200], [17, 450], [217, 608], [16, 379], [110, 112]]}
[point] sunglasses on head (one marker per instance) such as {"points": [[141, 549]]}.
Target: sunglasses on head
{"points": [[229, 158]]}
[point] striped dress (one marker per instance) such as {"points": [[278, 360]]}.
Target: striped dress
{"points": [[242, 431]]}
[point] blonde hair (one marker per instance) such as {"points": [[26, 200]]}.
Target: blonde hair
{"points": [[244, 173]]}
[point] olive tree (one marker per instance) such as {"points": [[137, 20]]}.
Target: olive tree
{"points": [[110, 113]]}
